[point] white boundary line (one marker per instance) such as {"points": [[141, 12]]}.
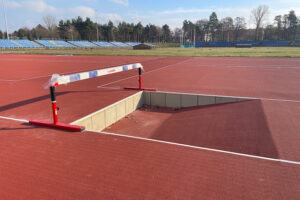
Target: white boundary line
{"points": [[112, 88], [202, 148], [176, 144], [64, 73], [14, 119], [245, 66]]}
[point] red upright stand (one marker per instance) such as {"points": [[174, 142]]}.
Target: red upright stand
{"points": [[140, 84], [55, 123]]}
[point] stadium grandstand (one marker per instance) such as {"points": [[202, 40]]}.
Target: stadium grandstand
{"points": [[82, 43], [18, 44], [26, 43], [22, 43], [132, 44], [103, 44], [55, 43], [119, 44], [8, 44]]}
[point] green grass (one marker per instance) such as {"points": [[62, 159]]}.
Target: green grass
{"points": [[292, 52]]}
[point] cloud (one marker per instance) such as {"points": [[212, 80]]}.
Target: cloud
{"points": [[82, 11], [38, 6], [13, 4], [121, 2], [30, 24], [200, 10], [111, 17]]}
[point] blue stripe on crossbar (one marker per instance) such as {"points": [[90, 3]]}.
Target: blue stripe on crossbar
{"points": [[74, 77], [125, 67], [93, 74], [133, 66]]}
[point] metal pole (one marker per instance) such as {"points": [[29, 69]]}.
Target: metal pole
{"points": [[97, 32], [195, 37], [54, 106], [97, 27], [140, 78], [4, 11]]}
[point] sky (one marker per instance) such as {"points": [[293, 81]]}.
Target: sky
{"points": [[29, 13]]}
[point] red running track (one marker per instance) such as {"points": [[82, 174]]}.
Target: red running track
{"points": [[38, 163]]}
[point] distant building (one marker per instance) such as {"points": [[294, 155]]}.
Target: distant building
{"points": [[143, 46], [208, 37]]}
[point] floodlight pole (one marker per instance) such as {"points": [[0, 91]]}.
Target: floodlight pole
{"points": [[4, 11], [195, 37], [97, 27]]}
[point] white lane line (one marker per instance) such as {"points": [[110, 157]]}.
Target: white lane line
{"points": [[14, 119], [64, 73], [145, 73], [283, 100], [111, 88], [25, 79], [202, 148], [262, 67]]}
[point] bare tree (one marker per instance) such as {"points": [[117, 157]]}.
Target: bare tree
{"points": [[50, 22], [259, 15], [227, 27], [239, 25]]}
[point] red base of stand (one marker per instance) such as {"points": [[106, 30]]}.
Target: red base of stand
{"points": [[146, 89], [62, 126]]}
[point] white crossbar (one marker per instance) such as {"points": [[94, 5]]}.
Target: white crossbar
{"points": [[65, 79]]}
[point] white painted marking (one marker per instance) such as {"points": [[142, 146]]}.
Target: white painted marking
{"points": [[144, 73], [24, 79], [202, 148], [245, 66], [65, 73], [284, 100], [14, 119], [112, 88]]}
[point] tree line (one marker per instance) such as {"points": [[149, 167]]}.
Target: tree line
{"points": [[284, 27]]}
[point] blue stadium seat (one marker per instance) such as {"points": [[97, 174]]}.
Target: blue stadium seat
{"points": [[26, 43], [55, 43], [6, 44], [132, 44], [120, 44], [82, 43], [103, 44]]}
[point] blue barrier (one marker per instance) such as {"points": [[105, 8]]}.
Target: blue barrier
{"points": [[275, 43]]}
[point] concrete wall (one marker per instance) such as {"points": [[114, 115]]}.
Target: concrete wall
{"points": [[183, 100], [105, 117]]}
